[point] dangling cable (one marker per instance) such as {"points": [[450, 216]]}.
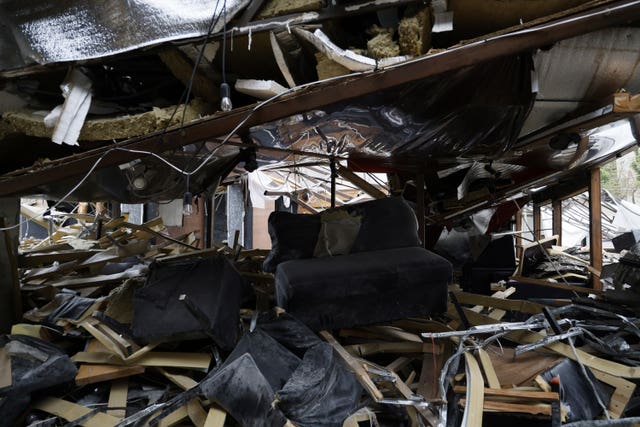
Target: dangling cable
{"points": [[225, 90]]}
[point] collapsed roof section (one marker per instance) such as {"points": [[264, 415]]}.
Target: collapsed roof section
{"points": [[486, 114]]}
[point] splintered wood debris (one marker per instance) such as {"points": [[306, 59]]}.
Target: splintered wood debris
{"points": [[418, 371]]}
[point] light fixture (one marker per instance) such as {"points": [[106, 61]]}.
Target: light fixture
{"points": [[187, 204], [225, 97]]}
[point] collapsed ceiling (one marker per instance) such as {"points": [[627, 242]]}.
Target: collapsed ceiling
{"points": [[383, 86]]}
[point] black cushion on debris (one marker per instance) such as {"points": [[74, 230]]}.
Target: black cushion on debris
{"points": [[362, 288], [274, 361], [292, 237], [288, 331], [575, 391], [321, 392], [73, 308], [626, 240], [212, 285], [243, 391], [35, 365], [386, 224]]}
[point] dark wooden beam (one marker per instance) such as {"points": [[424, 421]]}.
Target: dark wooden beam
{"points": [[364, 185], [249, 12], [518, 221], [556, 205], [537, 222], [595, 226], [320, 95], [420, 208]]}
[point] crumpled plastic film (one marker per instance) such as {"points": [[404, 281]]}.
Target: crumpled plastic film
{"points": [[477, 110]]}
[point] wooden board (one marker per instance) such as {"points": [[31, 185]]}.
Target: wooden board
{"points": [[537, 409], [5, 369], [197, 415], [215, 418], [182, 381], [488, 369], [475, 393], [90, 374], [354, 365], [367, 349], [622, 394], [71, 411], [118, 398], [164, 359], [512, 394]]}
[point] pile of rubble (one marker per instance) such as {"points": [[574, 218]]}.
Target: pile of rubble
{"points": [[138, 328]]}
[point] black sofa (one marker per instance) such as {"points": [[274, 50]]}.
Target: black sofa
{"points": [[368, 266]]}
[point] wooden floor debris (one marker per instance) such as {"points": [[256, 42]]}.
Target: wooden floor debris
{"points": [[422, 371]]}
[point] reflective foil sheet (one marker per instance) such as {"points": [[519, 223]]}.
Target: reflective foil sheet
{"points": [[44, 32]]}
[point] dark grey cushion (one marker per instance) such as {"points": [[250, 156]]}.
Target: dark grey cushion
{"points": [[386, 223], [292, 237], [365, 287]]}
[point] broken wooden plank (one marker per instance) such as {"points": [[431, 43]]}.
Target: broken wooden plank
{"points": [[94, 373], [196, 413], [182, 381], [539, 282], [367, 349], [5, 369], [106, 341], [512, 394], [621, 395], [174, 417], [163, 359], [361, 183], [522, 306], [359, 371], [491, 406], [215, 418], [71, 412], [118, 398], [475, 393], [489, 371]]}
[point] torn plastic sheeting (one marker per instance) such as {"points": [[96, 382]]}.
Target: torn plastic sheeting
{"points": [[33, 31], [321, 392], [72, 308], [576, 394], [243, 391], [35, 365], [274, 361], [472, 111], [212, 284]]}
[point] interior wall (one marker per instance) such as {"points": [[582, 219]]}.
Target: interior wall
{"points": [[261, 239]]}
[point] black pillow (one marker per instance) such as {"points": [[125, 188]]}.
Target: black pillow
{"points": [[386, 224], [293, 236]]}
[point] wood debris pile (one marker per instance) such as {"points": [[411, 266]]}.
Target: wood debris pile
{"points": [[77, 357]]}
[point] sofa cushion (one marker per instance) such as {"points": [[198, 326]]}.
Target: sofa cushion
{"points": [[338, 232], [386, 223], [365, 287], [293, 236]]}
